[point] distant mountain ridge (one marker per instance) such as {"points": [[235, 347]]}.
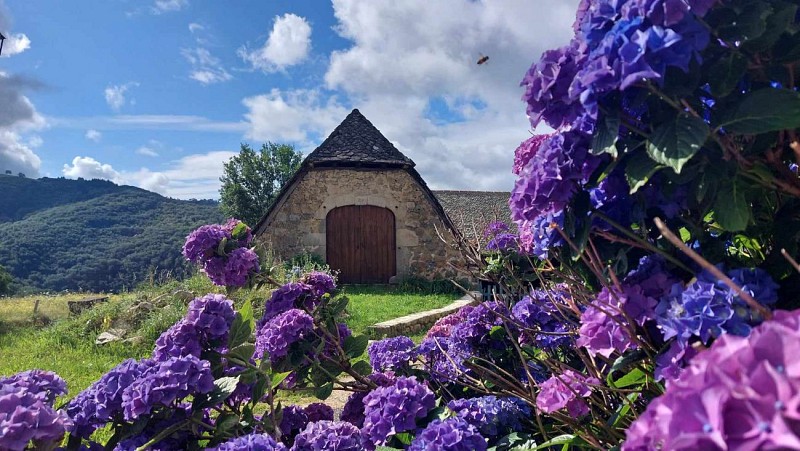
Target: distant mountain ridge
{"points": [[61, 234]]}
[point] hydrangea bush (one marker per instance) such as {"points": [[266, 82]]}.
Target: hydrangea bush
{"points": [[647, 280]]}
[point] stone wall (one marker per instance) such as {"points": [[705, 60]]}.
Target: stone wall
{"points": [[297, 224]]}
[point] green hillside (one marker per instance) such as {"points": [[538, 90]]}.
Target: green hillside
{"points": [[58, 234]]}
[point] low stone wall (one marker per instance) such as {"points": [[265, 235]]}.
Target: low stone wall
{"points": [[422, 321]]}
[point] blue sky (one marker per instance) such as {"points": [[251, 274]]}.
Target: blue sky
{"points": [[159, 93]]}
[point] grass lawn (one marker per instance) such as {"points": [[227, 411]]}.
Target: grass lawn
{"points": [[371, 304], [67, 345]]}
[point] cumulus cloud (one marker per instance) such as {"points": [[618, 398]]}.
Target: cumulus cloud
{"points": [[115, 95], [18, 116], [15, 44], [93, 135], [89, 168], [288, 44], [146, 151], [166, 6], [298, 116], [206, 69]]}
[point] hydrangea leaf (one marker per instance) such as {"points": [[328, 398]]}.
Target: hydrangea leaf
{"points": [[605, 136], [634, 377], [242, 327], [732, 211], [674, 143], [354, 346], [362, 367], [783, 14], [243, 352], [725, 73], [324, 391], [763, 111], [639, 169], [223, 387]]}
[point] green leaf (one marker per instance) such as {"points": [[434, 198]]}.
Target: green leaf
{"points": [[497, 332], [628, 359], [277, 378], [362, 367], [634, 377], [783, 14], [225, 422], [675, 143], [223, 387], [732, 211], [239, 231], [763, 111], [639, 169], [242, 352], [404, 437], [242, 327], [354, 346], [725, 73], [564, 439], [605, 136], [324, 391]]}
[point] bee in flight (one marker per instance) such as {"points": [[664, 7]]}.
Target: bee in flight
{"points": [[483, 59]]}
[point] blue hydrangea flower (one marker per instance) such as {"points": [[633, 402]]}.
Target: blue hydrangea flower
{"points": [[391, 354], [333, 435], [451, 434], [251, 442], [492, 416], [543, 311]]}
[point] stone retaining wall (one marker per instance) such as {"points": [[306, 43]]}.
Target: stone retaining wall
{"points": [[422, 321]]}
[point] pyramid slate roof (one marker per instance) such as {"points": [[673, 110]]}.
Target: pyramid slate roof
{"points": [[356, 142], [472, 211]]}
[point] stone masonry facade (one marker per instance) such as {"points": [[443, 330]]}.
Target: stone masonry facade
{"points": [[298, 223]]}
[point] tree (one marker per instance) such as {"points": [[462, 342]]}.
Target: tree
{"points": [[5, 281], [252, 179]]}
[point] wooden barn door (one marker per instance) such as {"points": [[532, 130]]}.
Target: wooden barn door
{"points": [[360, 242]]}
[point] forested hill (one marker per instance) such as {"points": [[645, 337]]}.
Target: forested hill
{"points": [[58, 234]]}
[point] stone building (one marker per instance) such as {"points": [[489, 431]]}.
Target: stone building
{"points": [[359, 203]]}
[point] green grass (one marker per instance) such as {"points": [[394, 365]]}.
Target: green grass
{"points": [[67, 345], [371, 304]]}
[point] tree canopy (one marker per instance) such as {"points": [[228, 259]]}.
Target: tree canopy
{"points": [[253, 179]]}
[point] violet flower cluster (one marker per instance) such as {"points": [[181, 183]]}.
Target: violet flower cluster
{"points": [[391, 354], [251, 442], [27, 412], [222, 250], [741, 393], [566, 390], [353, 410], [500, 237], [293, 420], [394, 409], [297, 295], [317, 411], [327, 434], [278, 334], [492, 416], [451, 434], [321, 282], [545, 312], [205, 327]]}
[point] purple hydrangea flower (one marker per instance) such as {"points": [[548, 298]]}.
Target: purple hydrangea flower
{"points": [[393, 353], [165, 383], [443, 327], [102, 401], [334, 435], [289, 296], [605, 329], [670, 364], [444, 357], [492, 416], [353, 411], [526, 150], [276, 336], [611, 198], [44, 384], [244, 237], [317, 411], [479, 322], [742, 393], [203, 242], [205, 327], [321, 282], [566, 390], [666, 12], [242, 263], [394, 409], [251, 442], [543, 311], [539, 236], [179, 439], [26, 415], [494, 228], [452, 434], [293, 420], [502, 242]]}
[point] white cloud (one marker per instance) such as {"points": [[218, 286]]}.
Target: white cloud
{"points": [[18, 116], [288, 44], [147, 151], [195, 27], [15, 44], [93, 135], [206, 69], [89, 168], [295, 116], [115, 95], [166, 6]]}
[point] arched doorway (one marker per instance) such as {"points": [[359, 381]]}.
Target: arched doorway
{"points": [[360, 243]]}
